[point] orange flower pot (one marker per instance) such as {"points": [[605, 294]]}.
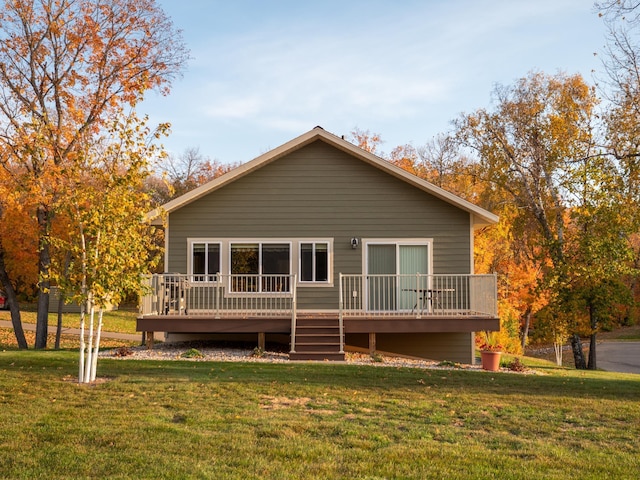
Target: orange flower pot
{"points": [[490, 361]]}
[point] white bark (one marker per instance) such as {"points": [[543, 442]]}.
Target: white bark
{"points": [[83, 309], [88, 359], [557, 346], [94, 363]]}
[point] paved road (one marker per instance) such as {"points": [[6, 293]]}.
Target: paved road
{"points": [[619, 356], [75, 331]]}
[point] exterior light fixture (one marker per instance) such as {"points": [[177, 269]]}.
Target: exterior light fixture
{"points": [[354, 243]]}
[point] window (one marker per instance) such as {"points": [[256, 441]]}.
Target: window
{"points": [[257, 265], [314, 262], [205, 262], [260, 267]]}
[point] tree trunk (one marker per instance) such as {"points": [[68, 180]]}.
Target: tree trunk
{"points": [[16, 321], [61, 299], [592, 352], [593, 317], [94, 362], [578, 354], [59, 323], [44, 264], [525, 329]]}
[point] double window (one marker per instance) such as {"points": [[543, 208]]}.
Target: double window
{"points": [[260, 267]]}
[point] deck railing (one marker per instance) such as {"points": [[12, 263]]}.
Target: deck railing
{"points": [[418, 295], [242, 296], [219, 295]]}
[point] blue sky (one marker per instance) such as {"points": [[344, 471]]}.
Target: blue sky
{"points": [[264, 72]]}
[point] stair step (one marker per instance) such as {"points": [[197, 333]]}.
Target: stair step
{"points": [[317, 330], [317, 347], [320, 339], [317, 356], [317, 338], [316, 322]]}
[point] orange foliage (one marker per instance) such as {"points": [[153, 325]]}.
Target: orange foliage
{"points": [[66, 69], [503, 248], [366, 140], [18, 232]]}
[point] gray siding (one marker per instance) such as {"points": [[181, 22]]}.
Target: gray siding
{"points": [[320, 191]]}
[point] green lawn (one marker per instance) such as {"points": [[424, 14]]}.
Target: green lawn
{"points": [[116, 321], [185, 419]]}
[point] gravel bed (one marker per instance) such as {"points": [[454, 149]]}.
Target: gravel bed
{"points": [[199, 352]]}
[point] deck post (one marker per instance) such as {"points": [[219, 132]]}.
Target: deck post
{"points": [[149, 337], [293, 314], [419, 299], [261, 341], [340, 310], [372, 343], [216, 294]]}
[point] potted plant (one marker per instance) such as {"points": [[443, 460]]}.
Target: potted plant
{"points": [[490, 352]]}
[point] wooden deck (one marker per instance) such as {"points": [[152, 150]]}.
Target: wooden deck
{"points": [[317, 335], [360, 324]]}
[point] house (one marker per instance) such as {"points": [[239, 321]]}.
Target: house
{"points": [[324, 246]]}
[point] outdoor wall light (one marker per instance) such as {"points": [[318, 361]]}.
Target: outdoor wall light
{"points": [[354, 243]]}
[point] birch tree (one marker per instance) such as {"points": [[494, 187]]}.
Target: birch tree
{"points": [[110, 243], [65, 67]]}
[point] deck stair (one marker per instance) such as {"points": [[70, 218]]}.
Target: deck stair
{"points": [[317, 338]]}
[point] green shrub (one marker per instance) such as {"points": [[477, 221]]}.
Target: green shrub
{"points": [[192, 353]]}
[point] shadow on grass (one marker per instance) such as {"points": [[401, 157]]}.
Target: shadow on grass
{"points": [[52, 365]]}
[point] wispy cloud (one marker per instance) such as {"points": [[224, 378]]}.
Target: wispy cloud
{"points": [[400, 68]]}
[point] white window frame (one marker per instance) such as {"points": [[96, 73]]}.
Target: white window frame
{"points": [[209, 277], [397, 242], [329, 280], [294, 255], [260, 273]]}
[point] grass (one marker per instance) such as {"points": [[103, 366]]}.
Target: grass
{"points": [[121, 321], [118, 321], [189, 419], [625, 333]]}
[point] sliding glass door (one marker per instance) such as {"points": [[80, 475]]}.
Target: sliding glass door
{"points": [[381, 280], [413, 288], [392, 283]]}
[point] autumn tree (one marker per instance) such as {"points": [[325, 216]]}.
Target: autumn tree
{"points": [[65, 67], [598, 244], [366, 140], [441, 163], [189, 170], [439, 157], [502, 248], [109, 243], [621, 87], [538, 146], [5, 281], [18, 255]]}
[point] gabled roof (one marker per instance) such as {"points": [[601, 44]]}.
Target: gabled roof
{"points": [[481, 216]]}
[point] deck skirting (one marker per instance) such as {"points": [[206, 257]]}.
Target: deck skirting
{"points": [[204, 324]]}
